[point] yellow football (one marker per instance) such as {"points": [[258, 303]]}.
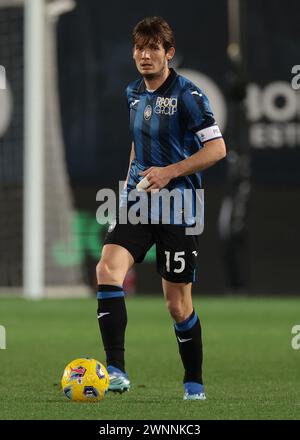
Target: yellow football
{"points": [[85, 380]]}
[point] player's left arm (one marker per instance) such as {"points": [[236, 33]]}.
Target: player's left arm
{"points": [[210, 153]]}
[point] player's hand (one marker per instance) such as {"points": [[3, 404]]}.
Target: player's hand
{"points": [[158, 177]]}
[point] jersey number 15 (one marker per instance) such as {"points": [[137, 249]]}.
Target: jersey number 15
{"points": [[178, 258]]}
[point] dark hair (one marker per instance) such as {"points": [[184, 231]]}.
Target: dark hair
{"points": [[153, 30]]}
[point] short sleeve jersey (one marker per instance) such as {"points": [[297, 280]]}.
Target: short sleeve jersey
{"points": [[168, 125]]}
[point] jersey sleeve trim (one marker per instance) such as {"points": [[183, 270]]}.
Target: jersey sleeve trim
{"points": [[209, 133]]}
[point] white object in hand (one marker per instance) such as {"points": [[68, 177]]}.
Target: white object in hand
{"points": [[143, 184]]}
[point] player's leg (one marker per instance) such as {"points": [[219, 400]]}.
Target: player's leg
{"points": [[176, 263], [124, 245], [112, 315], [187, 327]]}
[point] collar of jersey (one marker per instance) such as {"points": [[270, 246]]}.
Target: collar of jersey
{"points": [[165, 85]]}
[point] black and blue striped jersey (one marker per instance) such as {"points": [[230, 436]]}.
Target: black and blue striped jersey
{"points": [[168, 125]]}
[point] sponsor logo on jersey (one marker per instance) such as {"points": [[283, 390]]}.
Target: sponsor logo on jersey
{"points": [[165, 106], [148, 112]]}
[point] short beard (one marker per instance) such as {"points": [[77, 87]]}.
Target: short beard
{"points": [[152, 76]]}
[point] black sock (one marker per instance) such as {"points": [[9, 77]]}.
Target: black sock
{"points": [[112, 319], [190, 348]]}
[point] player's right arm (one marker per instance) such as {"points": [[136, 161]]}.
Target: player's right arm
{"points": [[131, 157]]}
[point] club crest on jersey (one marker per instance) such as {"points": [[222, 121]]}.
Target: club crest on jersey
{"points": [[165, 106], [147, 112]]}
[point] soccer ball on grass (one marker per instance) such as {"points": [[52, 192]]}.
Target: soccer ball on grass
{"points": [[85, 380]]}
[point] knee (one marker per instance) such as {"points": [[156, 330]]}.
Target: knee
{"points": [[177, 310], [105, 272]]}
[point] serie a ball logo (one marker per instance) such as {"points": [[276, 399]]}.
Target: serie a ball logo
{"points": [[85, 380]]}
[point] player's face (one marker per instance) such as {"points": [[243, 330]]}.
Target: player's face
{"points": [[151, 60]]}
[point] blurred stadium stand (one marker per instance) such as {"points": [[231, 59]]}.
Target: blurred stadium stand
{"points": [[95, 65]]}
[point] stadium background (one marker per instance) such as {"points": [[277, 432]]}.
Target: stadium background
{"points": [[251, 367], [94, 67]]}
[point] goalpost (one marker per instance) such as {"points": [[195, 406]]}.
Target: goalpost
{"points": [[34, 147], [33, 168]]}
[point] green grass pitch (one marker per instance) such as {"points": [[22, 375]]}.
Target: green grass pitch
{"points": [[250, 368]]}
